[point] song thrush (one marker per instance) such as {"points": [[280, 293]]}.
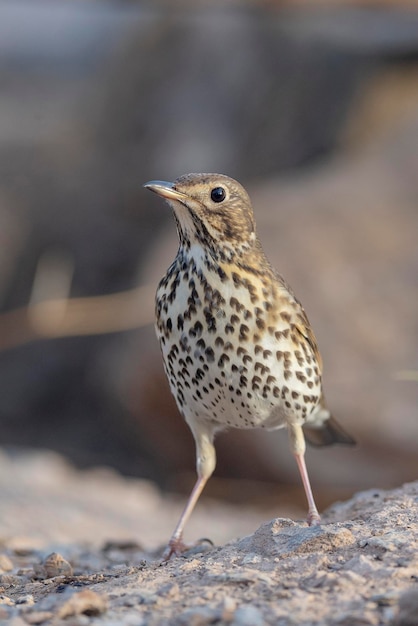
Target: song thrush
{"points": [[238, 348]]}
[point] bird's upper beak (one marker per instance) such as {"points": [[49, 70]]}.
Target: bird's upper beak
{"points": [[165, 190]]}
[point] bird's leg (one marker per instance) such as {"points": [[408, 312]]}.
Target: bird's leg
{"points": [[297, 442], [205, 464]]}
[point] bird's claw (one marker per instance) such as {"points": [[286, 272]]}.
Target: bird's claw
{"points": [[176, 547]]}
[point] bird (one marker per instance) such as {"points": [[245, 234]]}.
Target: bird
{"points": [[237, 346]]}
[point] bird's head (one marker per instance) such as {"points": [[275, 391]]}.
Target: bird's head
{"points": [[212, 210]]}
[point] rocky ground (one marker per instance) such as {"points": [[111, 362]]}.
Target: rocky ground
{"points": [[78, 548]]}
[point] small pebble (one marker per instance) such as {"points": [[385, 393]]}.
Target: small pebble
{"points": [[38, 617], [6, 564], [56, 565], [84, 602], [248, 616]]}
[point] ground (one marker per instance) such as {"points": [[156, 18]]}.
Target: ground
{"points": [[80, 548]]}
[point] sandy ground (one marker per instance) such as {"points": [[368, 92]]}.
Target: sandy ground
{"points": [[80, 548]]}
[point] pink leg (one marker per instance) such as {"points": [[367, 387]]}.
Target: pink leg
{"points": [[313, 516], [176, 545], [297, 442]]}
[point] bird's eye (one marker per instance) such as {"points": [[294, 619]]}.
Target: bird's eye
{"points": [[218, 194]]}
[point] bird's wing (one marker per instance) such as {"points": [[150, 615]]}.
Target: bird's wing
{"points": [[306, 332]]}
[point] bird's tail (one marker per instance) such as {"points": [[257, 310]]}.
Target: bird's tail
{"points": [[324, 430]]}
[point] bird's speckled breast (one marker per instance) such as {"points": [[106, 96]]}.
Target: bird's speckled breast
{"points": [[231, 351]]}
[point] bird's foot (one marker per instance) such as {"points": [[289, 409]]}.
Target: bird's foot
{"points": [[176, 547], [313, 519]]}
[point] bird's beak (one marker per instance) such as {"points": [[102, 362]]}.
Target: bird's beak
{"points": [[165, 190]]}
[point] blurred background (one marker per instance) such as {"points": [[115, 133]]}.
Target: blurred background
{"points": [[314, 108]]}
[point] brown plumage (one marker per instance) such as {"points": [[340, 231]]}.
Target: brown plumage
{"points": [[237, 346]]}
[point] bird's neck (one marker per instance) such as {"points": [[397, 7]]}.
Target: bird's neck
{"points": [[248, 257]]}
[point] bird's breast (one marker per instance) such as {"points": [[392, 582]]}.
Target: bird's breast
{"points": [[230, 350]]}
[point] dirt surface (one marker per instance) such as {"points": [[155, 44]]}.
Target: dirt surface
{"points": [[77, 548]]}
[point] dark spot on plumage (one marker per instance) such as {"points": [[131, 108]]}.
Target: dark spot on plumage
{"points": [[210, 355], [247, 314], [276, 392], [270, 379], [234, 319], [246, 359], [236, 278], [287, 374], [267, 305], [222, 275], [199, 373], [229, 329], [243, 381], [300, 376], [310, 384], [196, 329], [219, 342], [243, 330], [223, 359], [285, 316], [241, 350], [184, 343], [260, 324], [267, 353], [234, 303], [210, 321], [189, 360], [258, 349], [180, 322], [263, 369], [287, 404], [228, 346], [299, 357], [295, 395], [200, 343]]}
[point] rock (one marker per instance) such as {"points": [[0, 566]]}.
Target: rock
{"points": [[248, 616], [6, 564], [56, 565], [408, 608], [282, 538], [85, 602], [38, 617]]}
